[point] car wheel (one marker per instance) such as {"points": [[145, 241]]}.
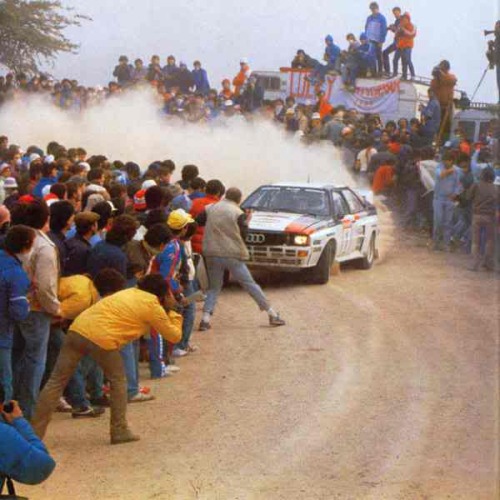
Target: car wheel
{"points": [[320, 273], [367, 261]]}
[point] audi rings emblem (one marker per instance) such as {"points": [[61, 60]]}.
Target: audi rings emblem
{"points": [[255, 238]]}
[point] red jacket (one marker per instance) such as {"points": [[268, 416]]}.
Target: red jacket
{"points": [[407, 33], [199, 205]]}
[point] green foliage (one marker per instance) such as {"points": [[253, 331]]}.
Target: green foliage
{"points": [[32, 32]]}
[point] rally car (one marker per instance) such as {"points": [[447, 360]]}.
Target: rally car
{"points": [[308, 227]]}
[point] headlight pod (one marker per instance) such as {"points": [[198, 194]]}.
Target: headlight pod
{"points": [[301, 240]]}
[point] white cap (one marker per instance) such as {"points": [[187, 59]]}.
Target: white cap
{"points": [[148, 183], [85, 165], [244, 60], [10, 183], [34, 156], [3, 166], [316, 116], [49, 159]]}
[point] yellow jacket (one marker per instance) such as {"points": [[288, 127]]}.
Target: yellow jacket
{"points": [[125, 316], [76, 294]]}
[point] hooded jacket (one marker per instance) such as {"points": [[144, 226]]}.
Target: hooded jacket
{"points": [[332, 51], [200, 78], [14, 305]]}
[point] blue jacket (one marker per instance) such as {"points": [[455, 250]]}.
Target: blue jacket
{"points": [[367, 56], [332, 53], [449, 186], [14, 306], [23, 457], [201, 80], [105, 255], [432, 115], [376, 28], [169, 263], [44, 181]]}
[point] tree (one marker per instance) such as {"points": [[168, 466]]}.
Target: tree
{"points": [[32, 32]]}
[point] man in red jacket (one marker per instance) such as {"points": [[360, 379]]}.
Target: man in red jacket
{"points": [[214, 191]]}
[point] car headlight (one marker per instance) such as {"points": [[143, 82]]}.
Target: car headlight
{"points": [[301, 240]]}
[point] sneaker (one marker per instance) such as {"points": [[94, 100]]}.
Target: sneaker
{"points": [[276, 320], [204, 326], [64, 406], [87, 412], [179, 353], [192, 348], [144, 390], [141, 398], [172, 369], [102, 402], [124, 437]]}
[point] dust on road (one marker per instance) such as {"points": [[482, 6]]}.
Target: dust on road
{"points": [[384, 384]]}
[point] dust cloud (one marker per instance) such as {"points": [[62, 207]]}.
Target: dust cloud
{"points": [[131, 128]]}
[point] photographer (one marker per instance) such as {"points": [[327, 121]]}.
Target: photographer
{"points": [[23, 457], [493, 53]]}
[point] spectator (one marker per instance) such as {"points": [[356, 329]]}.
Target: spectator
{"points": [[62, 215], [78, 248], [42, 269], [200, 78], [155, 72], [445, 192], [101, 331], [49, 177], [14, 284], [405, 43], [123, 72], [224, 249], [303, 61], [485, 197], [138, 73], [23, 457], [431, 115], [241, 78], [252, 97], [443, 85], [376, 32], [393, 47]]}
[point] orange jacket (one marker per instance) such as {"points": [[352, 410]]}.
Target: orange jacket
{"points": [[406, 33], [324, 107], [240, 79]]}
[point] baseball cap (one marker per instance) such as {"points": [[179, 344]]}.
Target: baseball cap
{"points": [[179, 219], [316, 116], [140, 200]]}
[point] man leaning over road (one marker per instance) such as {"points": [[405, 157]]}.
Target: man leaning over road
{"points": [[224, 249]]}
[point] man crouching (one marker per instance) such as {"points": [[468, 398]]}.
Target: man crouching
{"points": [[100, 332]]}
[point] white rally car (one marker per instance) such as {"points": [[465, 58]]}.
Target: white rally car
{"points": [[307, 227]]}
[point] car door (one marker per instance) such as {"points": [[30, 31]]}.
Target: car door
{"points": [[356, 220], [341, 215]]}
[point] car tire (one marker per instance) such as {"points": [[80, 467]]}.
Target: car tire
{"points": [[367, 261], [320, 273]]}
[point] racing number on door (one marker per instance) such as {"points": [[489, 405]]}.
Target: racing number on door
{"points": [[341, 214]]}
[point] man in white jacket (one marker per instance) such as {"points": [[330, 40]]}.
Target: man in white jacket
{"points": [[42, 267]]}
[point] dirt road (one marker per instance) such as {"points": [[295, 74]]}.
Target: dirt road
{"points": [[384, 385]]}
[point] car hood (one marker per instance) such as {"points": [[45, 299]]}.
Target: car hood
{"points": [[285, 222]]}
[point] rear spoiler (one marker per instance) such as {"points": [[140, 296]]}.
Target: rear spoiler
{"points": [[366, 194]]}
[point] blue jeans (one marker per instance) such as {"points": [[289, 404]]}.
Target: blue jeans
{"points": [[379, 66], [156, 349], [188, 317], [239, 271], [385, 55], [30, 366], [349, 73], [130, 357], [6, 373], [443, 217], [90, 371], [411, 215], [407, 63]]}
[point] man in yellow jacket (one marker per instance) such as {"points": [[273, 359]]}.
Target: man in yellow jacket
{"points": [[100, 332]]}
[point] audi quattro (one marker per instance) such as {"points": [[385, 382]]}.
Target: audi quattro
{"points": [[307, 227]]}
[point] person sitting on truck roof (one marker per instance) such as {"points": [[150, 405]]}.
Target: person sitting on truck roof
{"points": [[303, 61]]}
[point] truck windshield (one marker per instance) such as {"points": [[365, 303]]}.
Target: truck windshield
{"points": [[289, 199]]}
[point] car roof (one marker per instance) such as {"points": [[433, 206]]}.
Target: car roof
{"points": [[313, 185]]}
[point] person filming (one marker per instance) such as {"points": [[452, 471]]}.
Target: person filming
{"points": [[493, 53], [23, 456]]}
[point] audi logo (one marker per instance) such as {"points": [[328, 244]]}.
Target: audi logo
{"points": [[255, 238]]}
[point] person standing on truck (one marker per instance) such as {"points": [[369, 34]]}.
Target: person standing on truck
{"points": [[241, 78], [393, 47], [406, 40], [224, 250], [376, 32]]}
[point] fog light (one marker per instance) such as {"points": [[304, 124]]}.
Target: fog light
{"points": [[301, 239], [302, 253]]}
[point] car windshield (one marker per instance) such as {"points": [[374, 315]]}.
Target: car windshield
{"points": [[289, 199]]}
